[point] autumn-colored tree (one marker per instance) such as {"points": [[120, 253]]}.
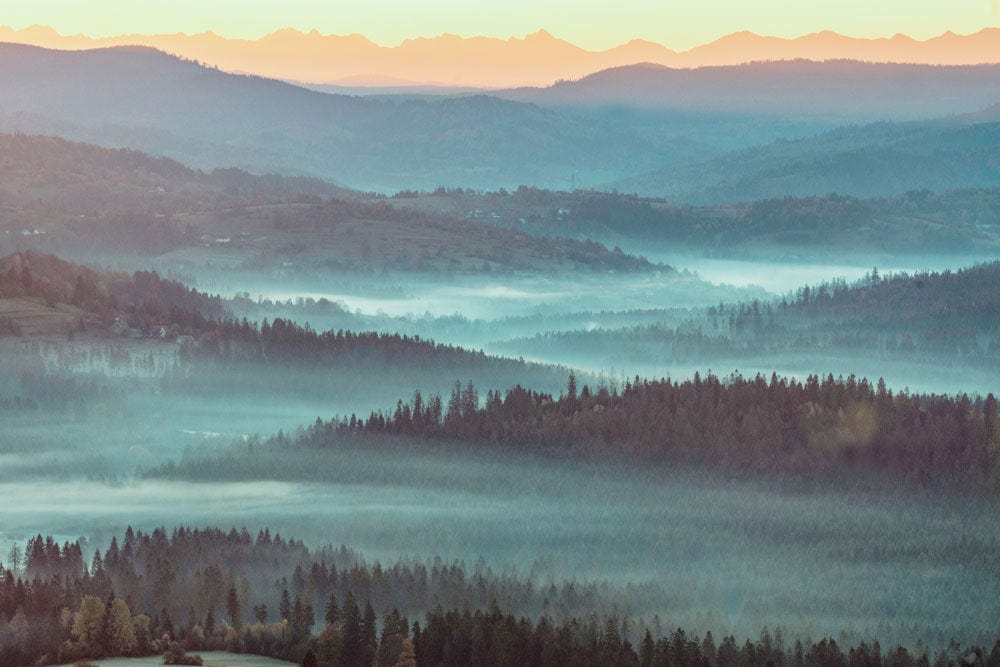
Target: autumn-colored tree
{"points": [[122, 636], [88, 621]]}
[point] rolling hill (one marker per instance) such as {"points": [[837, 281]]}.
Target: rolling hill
{"points": [[641, 128], [84, 201], [881, 159], [916, 222], [844, 89], [145, 99]]}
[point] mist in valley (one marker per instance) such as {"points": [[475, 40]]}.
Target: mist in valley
{"points": [[707, 551], [652, 352]]}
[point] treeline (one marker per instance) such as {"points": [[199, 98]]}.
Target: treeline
{"points": [[815, 429], [209, 589], [914, 221], [229, 357], [286, 341], [463, 244], [457, 638], [965, 297], [948, 314], [213, 589], [932, 316]]}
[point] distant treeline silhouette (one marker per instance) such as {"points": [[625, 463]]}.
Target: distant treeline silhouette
{"points": [[813, 429]]}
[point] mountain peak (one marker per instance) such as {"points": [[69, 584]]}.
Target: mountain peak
{"points": [[540, 34]]}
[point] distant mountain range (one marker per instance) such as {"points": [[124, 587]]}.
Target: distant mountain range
{"points": [[537, 59], [138, 97], [698, 136], [141, 98]]}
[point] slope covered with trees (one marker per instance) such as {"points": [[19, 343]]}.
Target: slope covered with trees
{"points": [[914, 222], [208, 589], [916, 321], [44, 294], [823, 428]]}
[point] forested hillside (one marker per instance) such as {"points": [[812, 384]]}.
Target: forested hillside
{"points": [[920, 319], [44, 294], [916, 222], [209, 589], [821, 428]]}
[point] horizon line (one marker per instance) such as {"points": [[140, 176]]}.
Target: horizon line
{"points": [[540, 32]]}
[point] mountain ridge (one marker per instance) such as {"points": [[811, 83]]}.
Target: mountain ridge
{"points": [[539, 58], [844, 87]]}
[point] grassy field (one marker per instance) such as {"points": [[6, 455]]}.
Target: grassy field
{"points": [[35, 317], [211, 658]]}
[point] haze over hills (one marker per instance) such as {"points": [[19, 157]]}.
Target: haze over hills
{"points": [[399, 296], [587, 133], [848, 89], [876, 160], [537, 59], [85, 201], [835, 226], [141, 98]]}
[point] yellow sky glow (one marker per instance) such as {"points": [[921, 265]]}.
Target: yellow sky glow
{"points": [[591, 24]]}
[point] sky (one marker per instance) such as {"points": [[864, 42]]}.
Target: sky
{"points": [[592, 24]]}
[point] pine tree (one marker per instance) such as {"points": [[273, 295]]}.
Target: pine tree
{"points": [[353, 642], [991, 417], [210, 622], [647, 650], [332, 610], [14, 559], [233, 607], [260, 613], [285, 606], [369, 637], [105, 638]]}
